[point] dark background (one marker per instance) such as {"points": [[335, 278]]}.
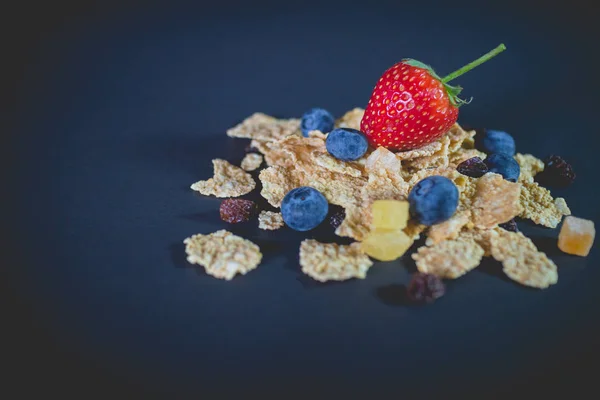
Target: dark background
{"points": [[110, 110]]}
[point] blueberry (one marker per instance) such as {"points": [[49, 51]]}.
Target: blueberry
{"points": [[503, 165], [346, 144], [304, 208], [433, 200], [316, 119], [496, 142]]}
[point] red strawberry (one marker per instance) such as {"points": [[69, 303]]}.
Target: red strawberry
{"points": [[412, 106]]}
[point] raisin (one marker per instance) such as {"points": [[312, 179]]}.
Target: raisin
{"points": [[425, 288], [337, 218], [473, 167], [236, 210], [557, 172], [510, 226]]}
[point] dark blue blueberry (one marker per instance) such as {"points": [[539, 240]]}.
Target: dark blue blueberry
{"points": [[316, 119], [496, 142], [504, 165], [346, 144], [433, 200], [304, 208]]}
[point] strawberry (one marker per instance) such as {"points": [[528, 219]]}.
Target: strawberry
{"points": [[412, 106]]}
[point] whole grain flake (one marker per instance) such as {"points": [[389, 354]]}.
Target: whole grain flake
{"points": [[222, 254], [333, 262], [449, 259], [228, 181], [522, 261]]}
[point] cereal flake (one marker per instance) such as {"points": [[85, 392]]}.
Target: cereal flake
{"points": [[529, 165], [496, 201], [448, 229], [539, 205], [522, 261], [351, 119], [449, 259], [222, 254], [265, 128], [251, 161], [269, 220], [333, 262], [228, 181]]}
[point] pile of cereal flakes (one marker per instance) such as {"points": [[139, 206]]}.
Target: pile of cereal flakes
{"points": [[452, 248]]}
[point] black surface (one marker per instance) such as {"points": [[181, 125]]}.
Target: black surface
{"points": [[116, 110]]}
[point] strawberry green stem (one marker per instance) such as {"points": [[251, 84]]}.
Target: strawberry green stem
{"points": [[474, 64]]}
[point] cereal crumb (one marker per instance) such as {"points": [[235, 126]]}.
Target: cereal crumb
{"points": [[222, 254], [228, 181], [521, 260], [333, 262], [496, 201], [539, 206], [269, 220], [351, 119], [448, 229], [449, 259], [251, 162]]}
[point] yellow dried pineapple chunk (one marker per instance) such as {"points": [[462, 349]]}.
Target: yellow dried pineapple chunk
{"points": [[386, 244], [390, 214]]}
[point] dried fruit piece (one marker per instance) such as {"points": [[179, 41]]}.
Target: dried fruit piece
{"points": [[510, 226], [576, 236], [557, 172], [333, 262], [236, 210], [539, 206], [425, 288], [269, 220], [222, 254], [473, 167], [337, 218], [228, 181], [448, 229], [521, 260], [386, 245], [449, 259], [389, 214], [251, 162], [496, 201]]}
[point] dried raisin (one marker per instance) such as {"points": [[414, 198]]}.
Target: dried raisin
{"points": [[510, 226], [557, 172], [473, 167], [337, 218], [236, 210], [425, 288]]}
